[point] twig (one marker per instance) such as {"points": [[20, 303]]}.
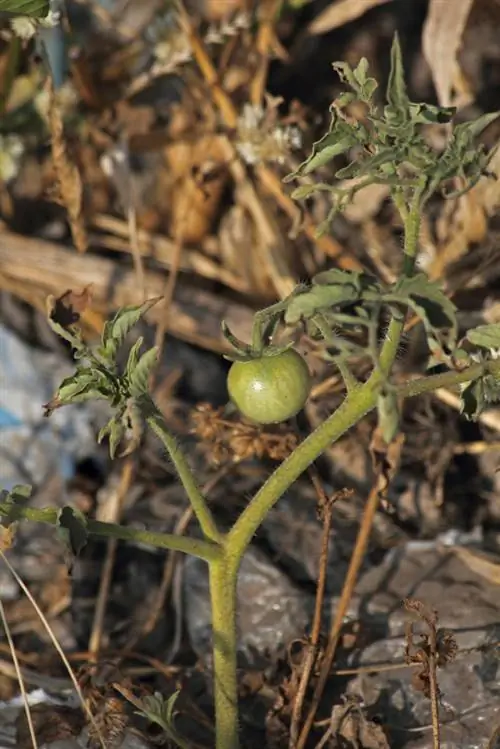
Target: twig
{"points": [[67, 174], [326, 509], [19, 676], [135, 248], [116, 503], [171, 562], [56, 645], [265, 37], [269, 181], [434, 688], [345, 597]]}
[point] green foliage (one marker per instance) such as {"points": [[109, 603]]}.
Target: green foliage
{"points": [[31, 8], [160, 711], [388, 146], [71, 528], [97, 376], [485, 336]]}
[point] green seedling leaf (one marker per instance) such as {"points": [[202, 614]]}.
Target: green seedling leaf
{"points": [[160, 711], [71, 527], [116, 330], [486, 336], [31, 8], [17, 497], [139, 377]]}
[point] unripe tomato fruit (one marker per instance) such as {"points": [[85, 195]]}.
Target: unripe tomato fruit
{"points": [[270, 389]]}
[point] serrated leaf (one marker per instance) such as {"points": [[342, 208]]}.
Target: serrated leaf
{"points": [[340, 137], [425, 114], [486, 336], [320, 297], [471, 130], [161, 711], [120, 326], [31, 8], [71, 527], [396, 87], [427, 299], [134, 356], [139, 377]]}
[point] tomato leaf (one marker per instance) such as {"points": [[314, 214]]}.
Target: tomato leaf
{"points": [[71, 528], [486, 336], [31, 8]]}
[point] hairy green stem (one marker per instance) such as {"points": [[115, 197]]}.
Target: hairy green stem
{"points": [[223, 575], [411, 223], [155, 420], [353, 408], [197, 547]]}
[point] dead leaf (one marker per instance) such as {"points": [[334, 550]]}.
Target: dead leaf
{"points": [[200, 176], [441, 39], [342, 12]]}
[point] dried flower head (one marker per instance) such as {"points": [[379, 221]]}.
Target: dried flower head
{"points": [[260, 137], [11, 153], [227, 440], [227, 29]]}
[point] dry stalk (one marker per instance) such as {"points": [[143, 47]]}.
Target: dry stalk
{"points": [[69, 183], [325, 512], [269, 181], [113, 516], [386, 465]]}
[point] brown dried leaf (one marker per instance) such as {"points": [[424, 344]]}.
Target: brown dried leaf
{"points": [[200, 176], [342, 12], [352, 730], [441, 39], [67, 309]]}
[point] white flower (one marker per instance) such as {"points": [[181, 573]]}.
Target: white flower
{"points": [[11, 152], [23, 27]]}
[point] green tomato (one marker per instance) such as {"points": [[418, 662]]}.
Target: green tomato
{"points": [[270, 389]]}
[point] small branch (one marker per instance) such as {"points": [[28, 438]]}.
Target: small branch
{"points": [[206, 550], [205, 518], [343, 604], [312, 648]]}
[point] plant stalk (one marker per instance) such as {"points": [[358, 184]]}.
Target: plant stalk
{"points": [[156, 422], [223, 575], [196, 546]]}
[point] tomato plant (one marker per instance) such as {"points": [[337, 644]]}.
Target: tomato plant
{"points": [[270, 388]]}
